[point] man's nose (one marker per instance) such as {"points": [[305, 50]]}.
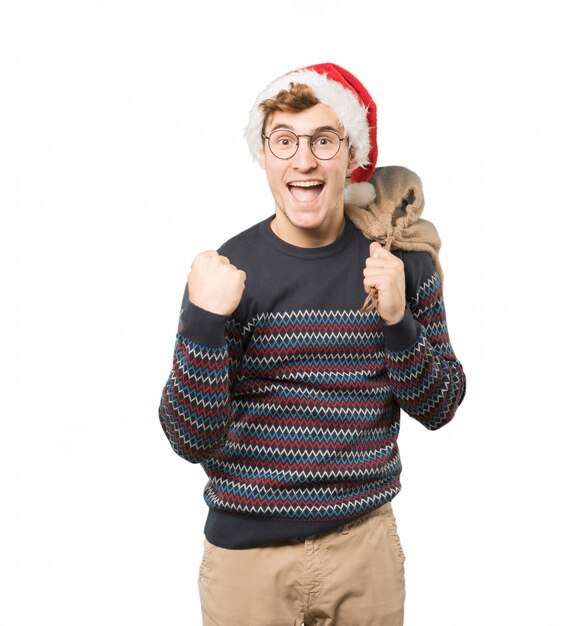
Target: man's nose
{"points": [[304, 159]]}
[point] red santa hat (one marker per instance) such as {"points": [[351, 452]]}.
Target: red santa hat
{"points": [[356, 110]]}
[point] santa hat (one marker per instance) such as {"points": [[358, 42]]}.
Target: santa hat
{"points": [[356, 110]]}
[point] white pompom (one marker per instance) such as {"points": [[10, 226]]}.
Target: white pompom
{"points": [[359, 194]]}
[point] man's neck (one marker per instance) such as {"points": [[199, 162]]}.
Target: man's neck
{"points": [[307, 237]]}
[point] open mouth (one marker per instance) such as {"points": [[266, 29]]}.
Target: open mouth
{"points": [[305, 191]]}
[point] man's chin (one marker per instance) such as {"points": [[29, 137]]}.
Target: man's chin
{"points": [[305, 217], [307, 227]]}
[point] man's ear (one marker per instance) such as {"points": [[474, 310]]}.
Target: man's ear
{"points": [[262, 157], [352, 164]]}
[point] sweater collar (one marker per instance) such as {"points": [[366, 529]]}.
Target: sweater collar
{"points": [[307, 253]]}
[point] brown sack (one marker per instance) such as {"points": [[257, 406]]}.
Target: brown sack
{"points": [[393, 218]]}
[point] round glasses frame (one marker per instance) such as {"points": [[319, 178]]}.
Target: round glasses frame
{"points": [[310, 137]]}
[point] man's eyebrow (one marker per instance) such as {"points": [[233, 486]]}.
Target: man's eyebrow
{"points": [[335, 130], [286, 126]]}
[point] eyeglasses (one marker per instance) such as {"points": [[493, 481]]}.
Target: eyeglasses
{"points": [[324, 144]]}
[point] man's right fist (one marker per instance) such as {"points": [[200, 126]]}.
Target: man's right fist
{"points": [[214, 283]]}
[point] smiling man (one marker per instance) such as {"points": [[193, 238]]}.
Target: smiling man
{"points": [[307, 177], [289, 395]]}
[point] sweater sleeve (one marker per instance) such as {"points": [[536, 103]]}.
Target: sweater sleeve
{"points": [[195, 403], [427, 379]]}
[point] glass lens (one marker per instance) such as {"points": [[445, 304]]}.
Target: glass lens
{"points": [[325, 144], [283, 143]]}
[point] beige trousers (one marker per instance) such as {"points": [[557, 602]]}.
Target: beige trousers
{"points": [[350, 576]]}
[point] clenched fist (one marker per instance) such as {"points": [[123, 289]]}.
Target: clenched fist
{"points": [[385, 272], [214, 283]]}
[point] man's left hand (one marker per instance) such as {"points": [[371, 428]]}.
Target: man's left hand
{"points": [[385, 271]]}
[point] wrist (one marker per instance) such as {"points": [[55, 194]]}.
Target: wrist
{"points": [[395, 320], [201, 325], [403, 334]]}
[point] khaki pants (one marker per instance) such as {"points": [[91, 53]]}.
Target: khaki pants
{"points": [[350, 576]]}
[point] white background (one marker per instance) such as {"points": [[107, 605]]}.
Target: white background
{"points": [[122, 156]]}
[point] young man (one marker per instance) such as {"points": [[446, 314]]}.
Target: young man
{"points": [[288, 395]]}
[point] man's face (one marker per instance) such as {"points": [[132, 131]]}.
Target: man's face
{"points": [[306, 215]]}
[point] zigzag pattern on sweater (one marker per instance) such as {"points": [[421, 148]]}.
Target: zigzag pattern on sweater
{"points": [[307, 505], [311, 430], [427, 378]]}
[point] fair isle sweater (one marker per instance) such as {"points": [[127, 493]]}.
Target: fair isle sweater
{"points": [[292, 404]]}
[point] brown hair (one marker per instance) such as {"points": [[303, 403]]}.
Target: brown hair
{"points": [[297, 98]]}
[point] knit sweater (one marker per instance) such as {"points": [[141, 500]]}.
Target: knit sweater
{"points": [[292, 404]]}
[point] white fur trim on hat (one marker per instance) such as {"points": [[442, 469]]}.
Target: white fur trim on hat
{"points": [[359, 194], [351, 113]]}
